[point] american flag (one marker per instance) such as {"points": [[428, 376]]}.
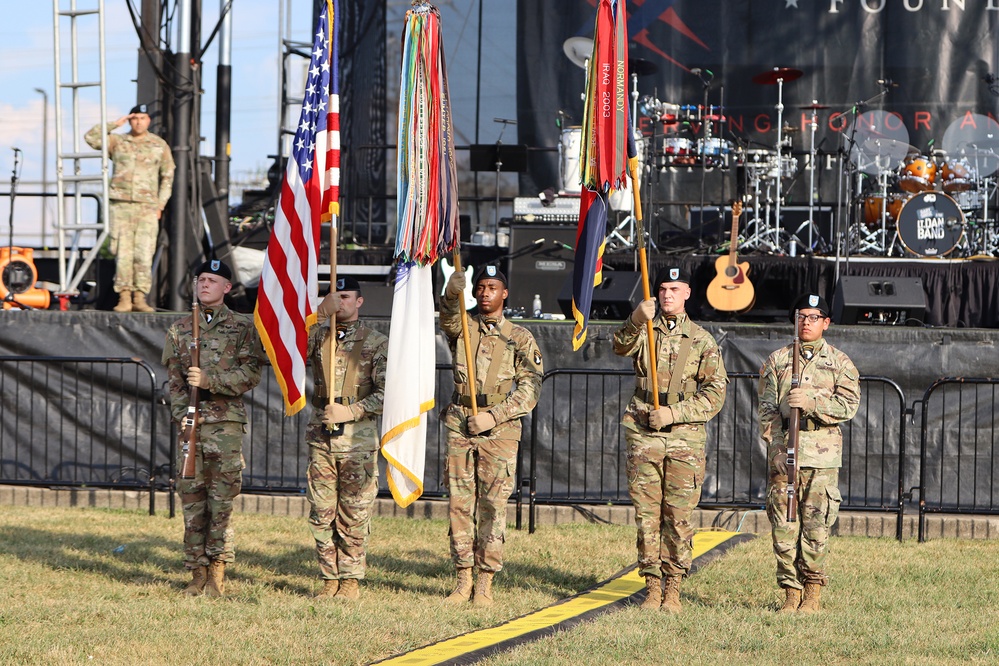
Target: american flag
{"points": [[310, 193]]}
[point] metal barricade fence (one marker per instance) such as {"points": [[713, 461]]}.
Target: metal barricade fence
{"points": [[79, 422], [577, 449], [959, 437]]}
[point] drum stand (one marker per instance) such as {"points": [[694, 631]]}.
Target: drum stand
{"points": [[760, 235], [814, 235]]}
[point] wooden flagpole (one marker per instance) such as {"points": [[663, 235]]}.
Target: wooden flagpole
{"points": [[469, 359], [646, 292]]}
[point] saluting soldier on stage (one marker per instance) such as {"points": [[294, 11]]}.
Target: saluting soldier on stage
{"points": [[230, 361], [343, 465], [666, 445], [482, 449], [828, 394]]}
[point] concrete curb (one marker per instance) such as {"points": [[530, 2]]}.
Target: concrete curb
{"points": [[297, 506]]}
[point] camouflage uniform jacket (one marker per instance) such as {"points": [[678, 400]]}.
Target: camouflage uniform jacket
{"points": [[831, 378], [362, 433], [143, 166], [521, 369], [703, 378], [230, 359]]}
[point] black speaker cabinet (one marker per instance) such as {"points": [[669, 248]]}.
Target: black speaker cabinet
{"points": [[879, 300], [616, 297], [541, 257]]}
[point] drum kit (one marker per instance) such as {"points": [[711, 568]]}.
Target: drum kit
{"points": [[927, 204]]}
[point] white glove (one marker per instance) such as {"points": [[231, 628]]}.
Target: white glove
{"points": [[328, 307], [481, 422], [337, 413], [196, 378], [645, 311], [456, 284]]}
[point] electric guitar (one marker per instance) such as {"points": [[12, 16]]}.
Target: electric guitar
{"points": [[731, 290]]}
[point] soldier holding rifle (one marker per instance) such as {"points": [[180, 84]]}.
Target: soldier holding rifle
{"points": [[829, 394], [504, 377], [230, 358], [343, 437], [665, 429]]}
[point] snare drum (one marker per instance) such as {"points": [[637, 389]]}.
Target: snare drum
{"points": [[788, 166], [714, 150], [568, 160], [679, 150], [873, 205], [968, 200], [930, 224], [918, 174], [958, 176]]}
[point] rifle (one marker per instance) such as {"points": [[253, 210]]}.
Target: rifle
{"points": [[189, 433], [793, 428]]}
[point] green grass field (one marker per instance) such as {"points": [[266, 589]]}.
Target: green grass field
{"points": [[104, 587]]}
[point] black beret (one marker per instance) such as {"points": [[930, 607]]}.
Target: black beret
{"points": [[215, 267], [348, 283], [140, 108], [806, 302], [670, 274], [489, 272]]}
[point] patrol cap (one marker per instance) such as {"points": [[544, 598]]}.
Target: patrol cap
{"points": [[489, 272], [348, 283], [215, 267], [140, 108], [806, 302], [671, 274]]}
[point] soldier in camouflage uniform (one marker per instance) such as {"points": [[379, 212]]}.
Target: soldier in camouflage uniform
{"points": [[140, 188], [482, 449], [229, 367], [829, 394], [666, 445], [343, 439]]}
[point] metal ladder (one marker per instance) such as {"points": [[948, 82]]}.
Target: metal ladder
{"points": [[70, 164]]}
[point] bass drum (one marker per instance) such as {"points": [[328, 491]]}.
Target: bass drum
{"points": [[930, 224], [568, 160]]}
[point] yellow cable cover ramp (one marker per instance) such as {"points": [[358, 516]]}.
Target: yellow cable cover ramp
{"points": [[611, 594]]}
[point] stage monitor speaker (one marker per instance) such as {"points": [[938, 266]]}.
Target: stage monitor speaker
{"points": [[879, 300], [615, 299], [541, 257]]}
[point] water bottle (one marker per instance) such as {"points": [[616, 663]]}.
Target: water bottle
{"points": [[536, 306]]}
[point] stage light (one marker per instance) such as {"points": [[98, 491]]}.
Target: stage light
{"points": [[18, 276]]}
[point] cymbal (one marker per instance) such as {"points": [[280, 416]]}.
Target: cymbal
{"points": [[642, 67], [814, 107], [578, 50], [790, 129], [778, 74], [892, 147]]}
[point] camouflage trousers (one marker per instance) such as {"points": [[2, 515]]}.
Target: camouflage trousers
{"points": [[134, 230], [208, 497], [481, 473], [665, 473], [801, 546], [341, 489]]}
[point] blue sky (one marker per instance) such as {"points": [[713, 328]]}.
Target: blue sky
{"points": [[26, 63]]}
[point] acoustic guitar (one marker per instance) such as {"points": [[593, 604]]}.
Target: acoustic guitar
{"points": [[731, 290]]}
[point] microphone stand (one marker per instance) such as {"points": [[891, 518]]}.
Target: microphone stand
{"points": [[705, 147]]}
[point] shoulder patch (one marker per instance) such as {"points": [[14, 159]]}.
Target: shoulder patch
{"points": [[537, 357]]}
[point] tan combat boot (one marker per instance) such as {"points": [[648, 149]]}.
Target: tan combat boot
{"points": [[330, 587], [671, 596], [653, 592], [139, 302], [463, 591], [483, 589], [810, 599], [216, 579], [350, 590], [792, 599], [199, 576], [124, 302]]}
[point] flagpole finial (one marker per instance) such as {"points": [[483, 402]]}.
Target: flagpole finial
{"points": [[422, 6]]}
